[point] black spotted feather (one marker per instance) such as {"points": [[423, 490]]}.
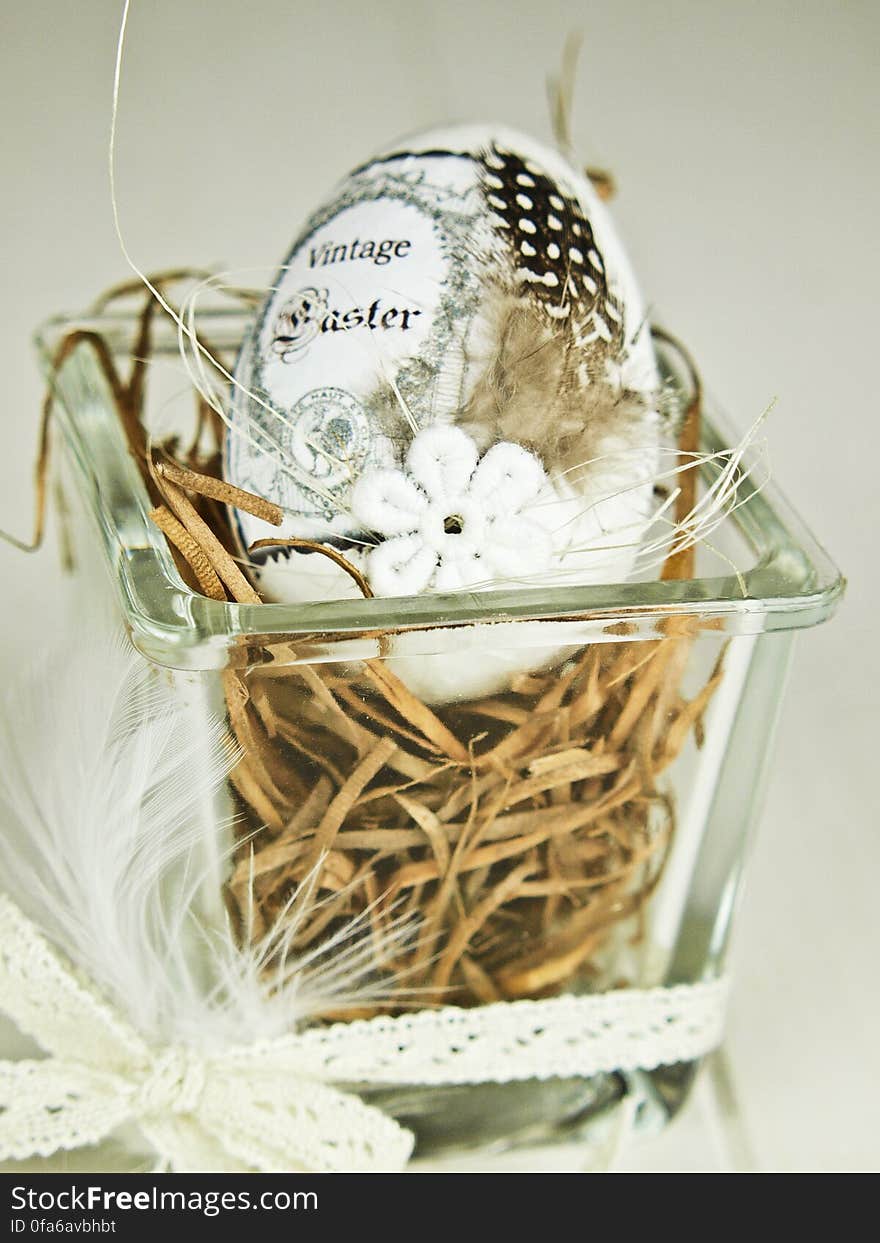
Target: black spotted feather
{"points": [[552, 379], [553, 250]]}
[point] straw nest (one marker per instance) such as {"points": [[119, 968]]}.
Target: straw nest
{"points": [[515, 832]]}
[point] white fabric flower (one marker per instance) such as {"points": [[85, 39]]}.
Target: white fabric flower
{"points": [[451, 519]]}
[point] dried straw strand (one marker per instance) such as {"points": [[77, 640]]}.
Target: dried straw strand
{"points": [[191, 550]]}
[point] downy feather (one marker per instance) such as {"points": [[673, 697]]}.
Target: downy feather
{"points": [[105, 844]]}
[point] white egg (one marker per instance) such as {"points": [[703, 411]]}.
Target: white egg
{"points": [[440, 285]]}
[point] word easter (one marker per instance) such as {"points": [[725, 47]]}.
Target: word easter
{"points": [[369, 317], [309, 314], [380, 252]]}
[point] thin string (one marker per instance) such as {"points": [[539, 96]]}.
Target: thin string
{"points": [[185, 330]]}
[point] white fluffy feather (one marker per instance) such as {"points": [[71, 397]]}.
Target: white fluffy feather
{"points": [[104, 844], [100, 796]]}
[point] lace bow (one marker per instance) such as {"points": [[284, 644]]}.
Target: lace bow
{"points": [[274, 1105]]}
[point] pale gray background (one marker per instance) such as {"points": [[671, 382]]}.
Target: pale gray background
{"points": [[744, 139]]}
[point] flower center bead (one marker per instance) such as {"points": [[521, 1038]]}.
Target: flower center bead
{"points": [[453, 526]]}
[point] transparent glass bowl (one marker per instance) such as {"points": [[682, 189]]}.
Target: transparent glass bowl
{"points": [[733, 625]]}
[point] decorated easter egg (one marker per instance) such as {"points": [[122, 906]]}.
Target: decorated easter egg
{"points": [[450, 381]]}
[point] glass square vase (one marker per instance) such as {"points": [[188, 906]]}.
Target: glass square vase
{"points": [[582, 828]]}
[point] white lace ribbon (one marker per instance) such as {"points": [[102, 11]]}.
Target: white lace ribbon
{"points": [[277, 1105]]}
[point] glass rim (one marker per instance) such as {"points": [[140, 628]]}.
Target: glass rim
{"points": [[792, 584]]}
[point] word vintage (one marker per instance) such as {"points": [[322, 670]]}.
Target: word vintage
{"points": [[379, 252]]}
